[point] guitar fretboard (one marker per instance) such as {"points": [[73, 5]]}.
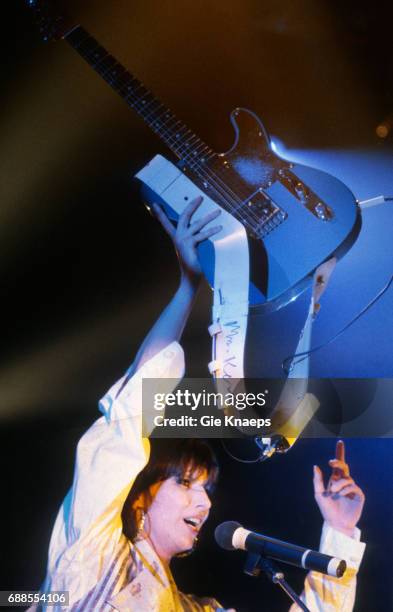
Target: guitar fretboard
{"points": [[182, 141], [259, 216]]}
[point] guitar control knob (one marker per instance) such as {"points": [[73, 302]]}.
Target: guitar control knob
{"points": [[323, 212], [301, 191]]}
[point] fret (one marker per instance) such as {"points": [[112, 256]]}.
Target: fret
{"points": [[147, 99], [135, 86], [182, 135], [148, 105], [152, 109], [170, 123], [175, 123], [154, 120], [79, 39], [187, 147], [194, 138], [178, 134], [106, 64], [168, 115], [131, 85], [200, 153], [188, 132], [118, 71], [115, 75], [91, 50], [105, 67], [186, 142]]}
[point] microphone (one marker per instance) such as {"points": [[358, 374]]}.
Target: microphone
{"points": [[231, 535]]}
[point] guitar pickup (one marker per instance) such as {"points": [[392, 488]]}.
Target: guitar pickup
{"points": [[266, 212]]}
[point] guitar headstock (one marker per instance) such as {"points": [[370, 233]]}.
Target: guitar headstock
{"points": [[52, 25]]}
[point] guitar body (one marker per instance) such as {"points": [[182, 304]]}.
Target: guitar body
{"points": [[296, 239]]}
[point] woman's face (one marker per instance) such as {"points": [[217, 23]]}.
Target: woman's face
{"points": [[177, 513]]}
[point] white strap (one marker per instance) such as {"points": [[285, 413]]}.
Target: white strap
{"points": [[214, 366], [230, 307], [215, 328]]}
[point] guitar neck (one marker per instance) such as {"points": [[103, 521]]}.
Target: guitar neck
{"points": [[175, 134]]}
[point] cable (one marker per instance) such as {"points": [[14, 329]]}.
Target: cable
{"points": [[259, 459], [305, 354], [369, 203]]}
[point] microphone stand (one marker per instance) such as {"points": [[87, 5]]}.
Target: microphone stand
{"points": [[255, 563]]}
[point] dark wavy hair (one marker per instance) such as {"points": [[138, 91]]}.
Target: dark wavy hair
{"points": [[169, 458]]}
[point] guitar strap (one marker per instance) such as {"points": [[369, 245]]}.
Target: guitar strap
{"points": [[228, 330]]}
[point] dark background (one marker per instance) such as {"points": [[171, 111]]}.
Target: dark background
{"points": [[84, 270]]}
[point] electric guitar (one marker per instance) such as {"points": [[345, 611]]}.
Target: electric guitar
{"points": [[295, 217]]}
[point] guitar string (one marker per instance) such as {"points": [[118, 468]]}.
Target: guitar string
{"points": [[105, 72], [133, 98], [186, 151], [210, 178], [124, 79], [182, 146], [184, 143], [187, 155], [204, 170], [220, 187]]}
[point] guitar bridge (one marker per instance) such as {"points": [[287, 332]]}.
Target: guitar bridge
{"points": [[268, 214]]}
